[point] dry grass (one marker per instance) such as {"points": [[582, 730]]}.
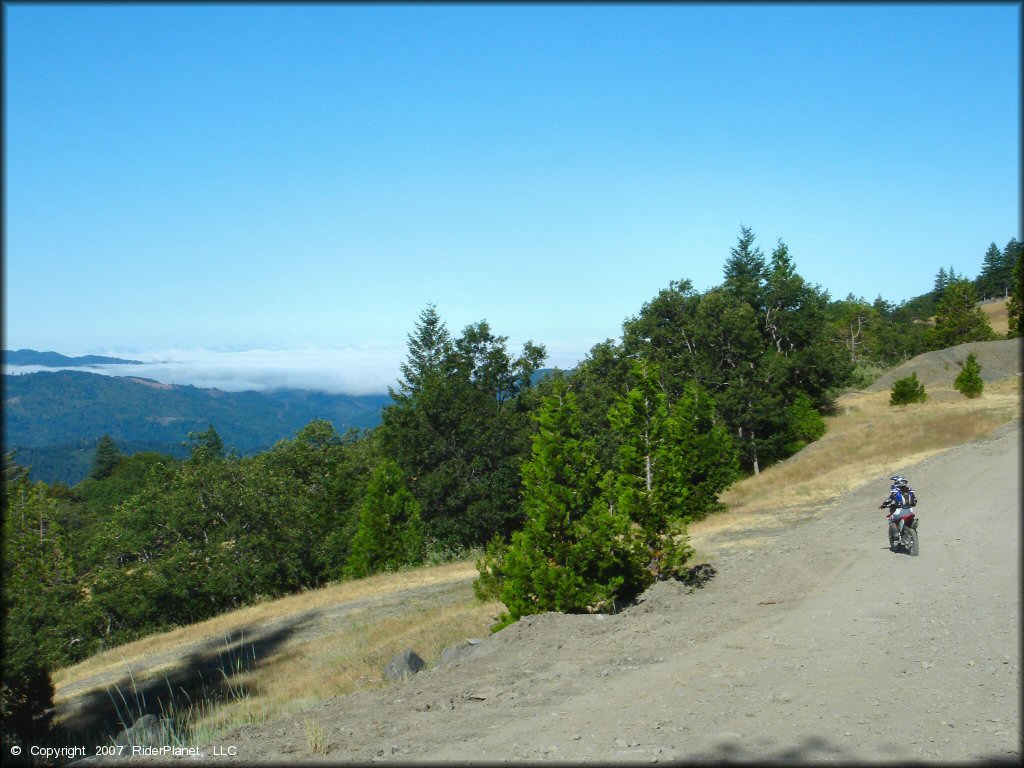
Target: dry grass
{"points": [[260, 614], [997, 316], [316, 737], [347, 660], [857, 448], [347, 656]]}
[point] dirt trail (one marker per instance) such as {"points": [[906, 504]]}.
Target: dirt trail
{"points": [[819, 645]]}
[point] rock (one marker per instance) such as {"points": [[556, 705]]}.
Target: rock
{"points": [[454, 653], [147, 731], [403, 665]]}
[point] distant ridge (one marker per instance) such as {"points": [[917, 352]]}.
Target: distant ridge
{"points": [[57, 360], [54, 418]]}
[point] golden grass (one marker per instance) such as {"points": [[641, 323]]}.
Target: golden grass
{"points": [[349, 659], [343, 657], [997, 316], [857, 448], [263, 613], [316, 737]]}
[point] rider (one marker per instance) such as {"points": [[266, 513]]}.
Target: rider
{"points": [[900, 504]]}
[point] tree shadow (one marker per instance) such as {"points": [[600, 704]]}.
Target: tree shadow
{"points": [[207, 673], [810, 749]]}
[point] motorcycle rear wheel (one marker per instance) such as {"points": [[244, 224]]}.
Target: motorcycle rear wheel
{"points": [[914, 546]]}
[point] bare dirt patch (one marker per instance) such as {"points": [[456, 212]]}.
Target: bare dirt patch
{"points": [[998, 360]]}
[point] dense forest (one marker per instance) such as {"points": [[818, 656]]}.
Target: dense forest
{"points": [[53, 418], [577, 487]]}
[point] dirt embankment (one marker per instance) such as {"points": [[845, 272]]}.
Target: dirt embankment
{"points": [[998, 360], [819, 644]]}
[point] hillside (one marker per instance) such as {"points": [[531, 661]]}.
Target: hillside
{"points": [[786, 654], [997, 315], [55, 417], [57, 360], [998, 360]]}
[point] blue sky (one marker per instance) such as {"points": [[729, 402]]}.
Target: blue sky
{"points": [[295, 183]]}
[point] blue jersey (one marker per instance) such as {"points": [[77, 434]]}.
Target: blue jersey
{"points": [[898, 498]]}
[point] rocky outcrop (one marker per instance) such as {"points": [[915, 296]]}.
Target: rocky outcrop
{"points": [[403, 665], [455, 653]]}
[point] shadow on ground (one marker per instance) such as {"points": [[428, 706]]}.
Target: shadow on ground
{"points": [[208, 672], [811, 749]]}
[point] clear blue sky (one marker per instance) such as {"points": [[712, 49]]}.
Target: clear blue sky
{"points": [[245, 178]]}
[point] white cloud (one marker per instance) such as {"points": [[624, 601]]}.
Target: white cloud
{"points": [[349, 370], [354, 370]]}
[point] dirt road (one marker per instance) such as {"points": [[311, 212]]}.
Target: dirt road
{"points": [[817, 644]]}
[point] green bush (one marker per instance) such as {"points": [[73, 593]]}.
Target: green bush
{"points": [[907, 390], [805, 424], [969, 382]]}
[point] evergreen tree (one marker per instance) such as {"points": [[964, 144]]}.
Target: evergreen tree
{"points": [[968, 381], [575, 552], [459, 429], [745, 271], [673, 462], [958, 318], [990, 281], [907, 390], [430, 353], [941, 281], [42, 606], [206, 445], [805, 424], [106, 459], [1013, 305], [389, 534]]}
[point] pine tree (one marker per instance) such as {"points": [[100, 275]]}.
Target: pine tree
{"points": [[459, 429], [389, 533], [106, 459], [941, 281], [206, 445], [745, 271], [907, 390], [969, 381], [575, 552], [1013, 305], [990, 281], [673, 462], [958, 318], [430, 353]]}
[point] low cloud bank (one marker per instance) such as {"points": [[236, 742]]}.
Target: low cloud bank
{"points": [[365, 370], [345, 370]]}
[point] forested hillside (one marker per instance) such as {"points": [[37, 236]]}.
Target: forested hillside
{"points": [[578, 486], [57, 360], [53, 418]]}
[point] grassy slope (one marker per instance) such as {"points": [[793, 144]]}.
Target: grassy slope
{"points": [[995, 311], [858, 448]]}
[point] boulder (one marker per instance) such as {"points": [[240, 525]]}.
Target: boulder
{"points": [[147, 731], [454, 653], [403, 665]]}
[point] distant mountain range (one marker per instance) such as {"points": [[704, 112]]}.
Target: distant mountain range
{"points": [[57, 360], [52, 419]]}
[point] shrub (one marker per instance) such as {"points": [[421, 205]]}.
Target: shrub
{"points": [[805, 424], [969, 382], [907, 390]]}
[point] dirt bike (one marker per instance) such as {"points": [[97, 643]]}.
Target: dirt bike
{"points": [[905, 539]]}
